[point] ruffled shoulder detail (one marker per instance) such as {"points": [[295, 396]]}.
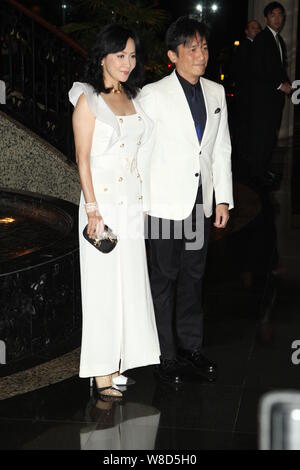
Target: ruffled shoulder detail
{"points": [[95, 103], [91, 96]]}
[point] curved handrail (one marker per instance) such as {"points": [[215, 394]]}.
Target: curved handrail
{"points": [[50, 27]]}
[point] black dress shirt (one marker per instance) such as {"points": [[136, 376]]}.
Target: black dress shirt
{"points": [[195, 99]]}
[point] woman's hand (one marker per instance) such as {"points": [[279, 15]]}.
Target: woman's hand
{"points": [[95, 225]]}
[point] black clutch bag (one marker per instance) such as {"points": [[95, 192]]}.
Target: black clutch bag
{"points": [[106, 243]]}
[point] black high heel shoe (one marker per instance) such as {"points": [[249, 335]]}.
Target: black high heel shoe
{"points": [[108, 397]]}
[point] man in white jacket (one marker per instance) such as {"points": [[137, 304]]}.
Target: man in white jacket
{"points": [[190, 163]]}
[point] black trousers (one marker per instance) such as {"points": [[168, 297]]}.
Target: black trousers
{"points": [[176, 275]]}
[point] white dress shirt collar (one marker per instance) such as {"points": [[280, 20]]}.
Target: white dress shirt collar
{"points": [[274, 32]]}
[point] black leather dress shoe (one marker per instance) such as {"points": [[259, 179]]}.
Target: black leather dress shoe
{"points": [[169, 371], [200, 363]]}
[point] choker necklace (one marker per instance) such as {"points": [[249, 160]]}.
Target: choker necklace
{"points": [[117, 90]]}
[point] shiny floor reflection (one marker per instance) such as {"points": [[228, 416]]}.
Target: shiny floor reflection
{"points": [[252, 317]]}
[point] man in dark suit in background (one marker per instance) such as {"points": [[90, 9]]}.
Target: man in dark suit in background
{"points": [[270, 85], [241, 78]]}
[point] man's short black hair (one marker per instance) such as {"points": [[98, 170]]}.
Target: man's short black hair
{"points": [[272, 6], [183, 30]]}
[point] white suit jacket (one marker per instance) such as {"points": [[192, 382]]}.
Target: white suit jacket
{"points": [[174, 159]]}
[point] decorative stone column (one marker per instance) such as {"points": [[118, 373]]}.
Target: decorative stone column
{"points": [[289, 34]]}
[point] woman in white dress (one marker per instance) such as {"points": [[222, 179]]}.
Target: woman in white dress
{"points": [[118, 330]]}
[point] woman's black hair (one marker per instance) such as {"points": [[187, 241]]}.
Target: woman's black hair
{"points": [[111, 39], [182, 30]]}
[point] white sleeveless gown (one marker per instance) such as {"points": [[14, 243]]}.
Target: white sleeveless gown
{"points": [[118, 330]]}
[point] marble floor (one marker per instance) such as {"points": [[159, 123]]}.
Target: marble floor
{"points": [[252, 306]]}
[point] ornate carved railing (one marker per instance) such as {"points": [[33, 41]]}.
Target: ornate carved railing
{"points": [[38, 64]]}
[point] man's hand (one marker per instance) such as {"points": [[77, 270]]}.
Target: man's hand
{"points": [[286, 88], [222, 216]]}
